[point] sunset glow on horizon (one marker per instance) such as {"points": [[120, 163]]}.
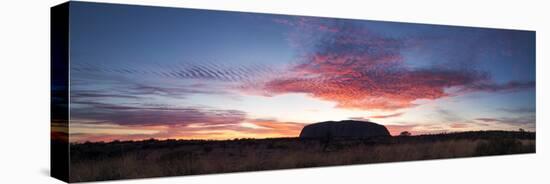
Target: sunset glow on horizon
{"points": [[159, 73]]}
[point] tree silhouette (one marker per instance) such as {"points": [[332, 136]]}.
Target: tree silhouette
{"points": [[405, 133]]}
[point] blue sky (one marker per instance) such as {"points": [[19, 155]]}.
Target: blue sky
{"points": [[140, 72]]}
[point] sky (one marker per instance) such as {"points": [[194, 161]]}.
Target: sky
{"points": [[170, 73]]}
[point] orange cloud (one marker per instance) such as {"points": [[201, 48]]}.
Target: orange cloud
{"points": [[285, 129]]}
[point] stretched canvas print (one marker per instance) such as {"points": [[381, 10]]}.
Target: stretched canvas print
{"points": [[139, 91]]}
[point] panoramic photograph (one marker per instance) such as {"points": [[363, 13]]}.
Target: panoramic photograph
{"points": [[159, 91]]}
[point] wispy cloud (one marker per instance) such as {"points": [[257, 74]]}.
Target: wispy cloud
{"points": [[278, 127], [524, 121], [152, 115], [459, 125], [520, 110], [493, 87], [384, 116], [216, 71], [360, 69]]}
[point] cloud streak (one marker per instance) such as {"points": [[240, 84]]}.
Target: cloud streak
{"points": [[516, 121], [386, 116], [147, 115]]}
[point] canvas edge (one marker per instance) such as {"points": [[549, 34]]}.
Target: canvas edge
{"points": [[59, 92]]}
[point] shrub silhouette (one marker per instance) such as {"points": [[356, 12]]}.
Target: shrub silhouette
{"points": [[405, 133]]}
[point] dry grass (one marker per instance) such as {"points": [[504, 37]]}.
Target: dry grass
{"points": [[126, 160]]}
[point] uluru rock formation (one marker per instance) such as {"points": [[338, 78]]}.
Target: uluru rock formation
{"points": [[346, 128]]}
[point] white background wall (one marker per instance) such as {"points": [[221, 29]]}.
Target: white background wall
{"points": [[24, 89]]}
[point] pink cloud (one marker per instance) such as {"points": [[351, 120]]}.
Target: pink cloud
{"points": [[459, 125], [359, 69]]}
